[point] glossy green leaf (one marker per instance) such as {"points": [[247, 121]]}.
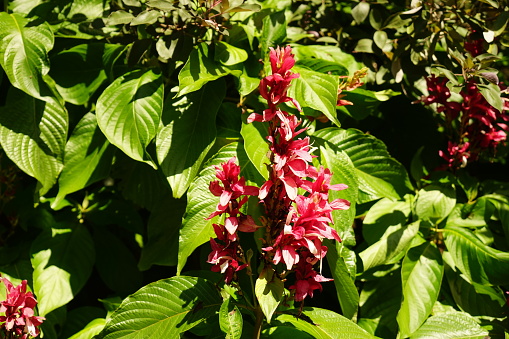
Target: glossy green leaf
{"points": [[195, 230], [269, 291], [365, 103], [163, 227], [477, 261], [450, 325], [384, 216], [163, 309], [317, 91], [33, 135], [93, 328], [199, 69], [379, 175], [328, 53], [78, 318], [256, 145], [87, 159], [229, 55], [422, 272], [491, 93], [343, 173], [323, 66], [129, 111], [435, 202], [78, 83], [24, 49], [346, 290], [188, 134], [63, 259], [273, 31], [230, 320], [390, 248], [324, 324], [284, 332]]}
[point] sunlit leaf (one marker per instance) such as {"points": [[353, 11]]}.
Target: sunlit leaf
{"points": [[230, 320], [269, 291], [450, 325], [129, 111]]}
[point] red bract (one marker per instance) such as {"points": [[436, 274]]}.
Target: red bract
{"points": [[476, 126], [19, 319], [307, 279]]}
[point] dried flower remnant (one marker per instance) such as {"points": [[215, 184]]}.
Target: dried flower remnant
{"points": [[19, 320]]}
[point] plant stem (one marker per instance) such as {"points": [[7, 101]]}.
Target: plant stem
{"points": [[258, 323]]}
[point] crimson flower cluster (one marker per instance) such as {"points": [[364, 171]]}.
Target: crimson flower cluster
{"points": [[19, 320], [295, 224], [476, 126]]}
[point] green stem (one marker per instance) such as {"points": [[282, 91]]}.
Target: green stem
{"points": [[258, 323]]}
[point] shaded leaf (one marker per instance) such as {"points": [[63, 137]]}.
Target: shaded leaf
{"points": [[273, 31], [269, 291], [230, 320], [188, 134]]}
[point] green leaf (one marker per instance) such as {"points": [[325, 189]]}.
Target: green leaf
{"points": [[391, 248], [163, 309], [477, 261], [256, 145], [78, 83], [229, 55], [163, 229], [365, 103], [380, 38], [450, 325], [273, 31], [491, 93], [129, 111], [198, 70], [63, 259], [317, 91], [88, 157], [361, 11], [343, 172], [93, 328], [435, 202], [33, 135], [379, 175], [230, 320], [119, 18], [188, 134], [384, 216], [284, 332], [24, 51], [328, 53], [115, 263], [323, 66], [324, 324], [195, 230], [78, 318], [269, 291], [346, 290], [422, 272], [147, 17]]}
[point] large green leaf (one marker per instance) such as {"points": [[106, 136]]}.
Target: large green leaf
{"points": [[317, 91], [435, 202], [391, 248], [324, 324], [384, 216], [93, 328], [88, 157], [163, 227], [33, 135], [129, 112], [24, 51], [163, 309], [256, 145], [201, 203], [346, 290], [273, 31], [450, 325], [188, 134], [229, 55], [199, 69], [379, 174], [327, 53], [78, 83], [477, 261], [63, 259], [343, 173], [269, 291], [422, 273]]}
